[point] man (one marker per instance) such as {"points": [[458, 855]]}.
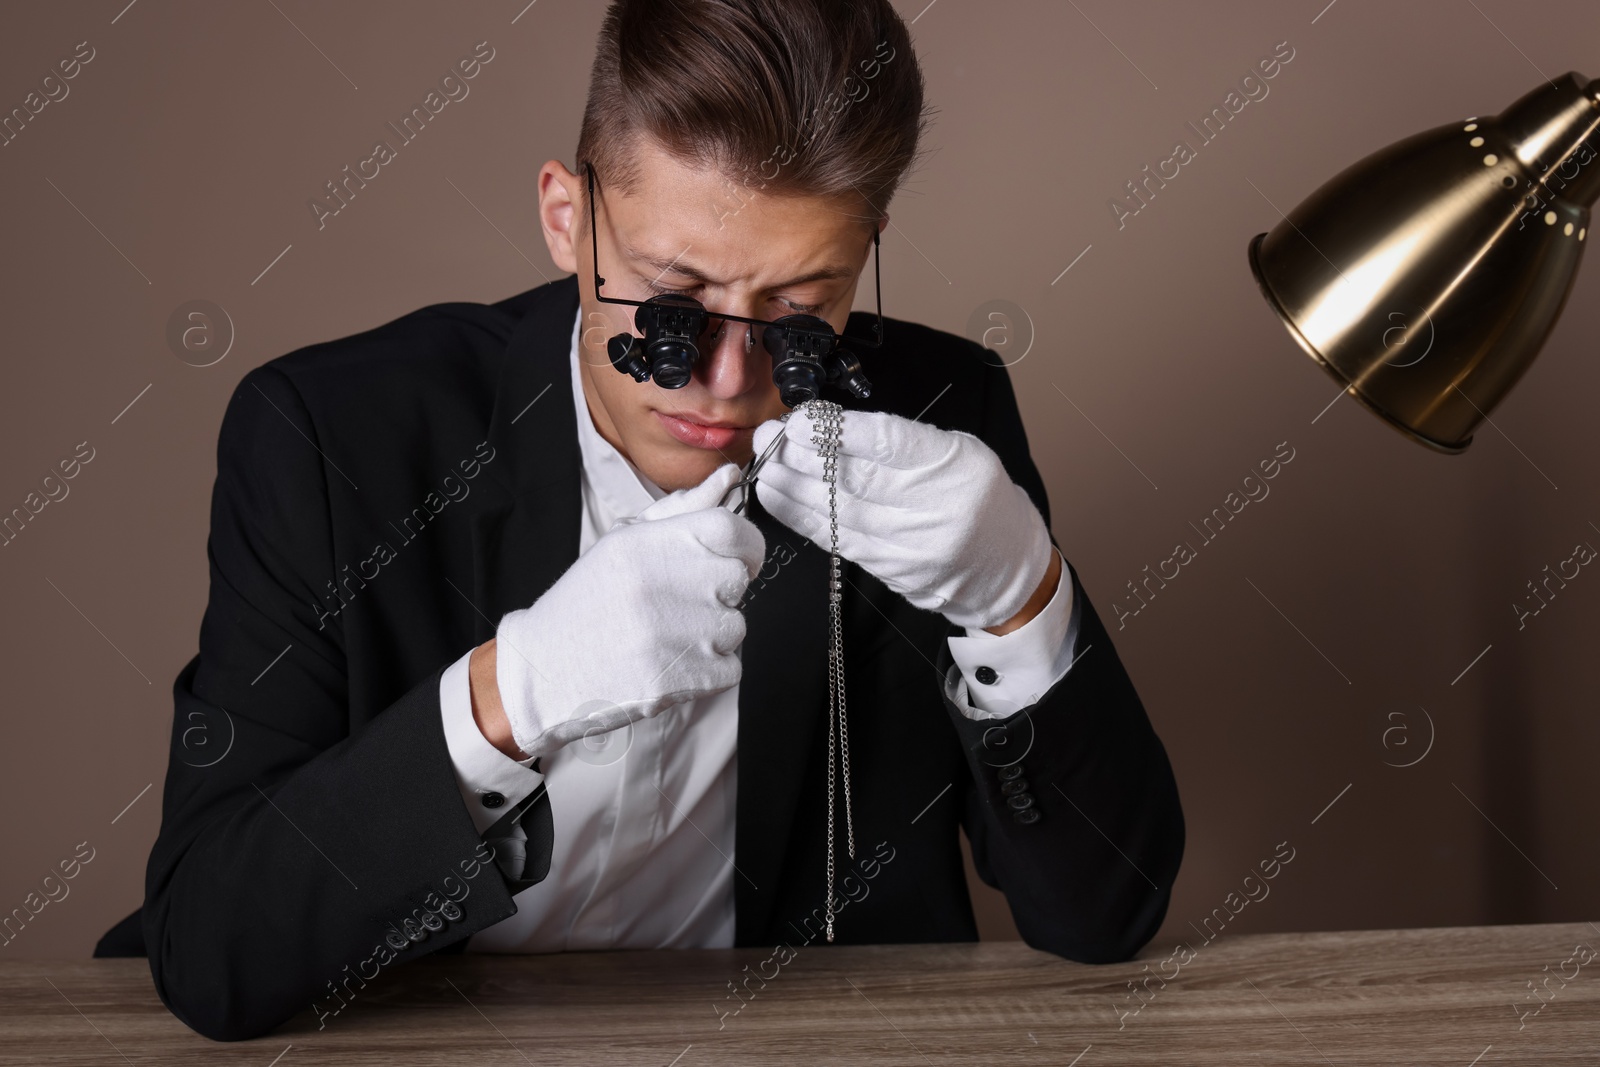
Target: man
{"points": [[485, 659]]}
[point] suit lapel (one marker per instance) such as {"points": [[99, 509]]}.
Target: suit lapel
{"points": [[782, 711], [522, 544]]}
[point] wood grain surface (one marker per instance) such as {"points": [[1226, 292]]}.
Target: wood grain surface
{"points": [[1436, 996]]}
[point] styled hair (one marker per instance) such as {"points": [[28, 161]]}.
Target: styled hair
{"points": [[810, 97]]}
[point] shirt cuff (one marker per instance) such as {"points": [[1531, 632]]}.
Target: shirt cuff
{"points": [[1000, 674], [483, 772]]}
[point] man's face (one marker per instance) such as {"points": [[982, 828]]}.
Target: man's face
{"points": [[736, 250]]}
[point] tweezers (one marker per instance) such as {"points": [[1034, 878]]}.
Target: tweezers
{"points": [[748, 480]]}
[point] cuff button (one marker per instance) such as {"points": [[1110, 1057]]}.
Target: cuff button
{"points": [[492, 799], [986, 675], [1010, 771], [1026, 816]]}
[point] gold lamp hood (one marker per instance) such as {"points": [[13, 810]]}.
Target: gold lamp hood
{"points": [[1426, 277]]}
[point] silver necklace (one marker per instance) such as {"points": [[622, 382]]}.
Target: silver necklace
{"points": [[827, 420]]}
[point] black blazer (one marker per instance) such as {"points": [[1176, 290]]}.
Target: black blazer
{"points": [[312, 830]]}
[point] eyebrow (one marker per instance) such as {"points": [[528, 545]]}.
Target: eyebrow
{"points": [[678, 266]]}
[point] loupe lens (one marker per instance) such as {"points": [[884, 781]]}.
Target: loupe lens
{"points": [[798, 381], [671, 363]]}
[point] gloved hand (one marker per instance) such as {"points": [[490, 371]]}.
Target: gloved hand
{"points": [[646, 618], [931, 513]]}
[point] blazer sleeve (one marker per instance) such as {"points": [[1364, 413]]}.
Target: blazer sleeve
{"points": [[299, 854], [1072, 810]]}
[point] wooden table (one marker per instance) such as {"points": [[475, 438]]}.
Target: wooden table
{"points": [[1437, 996]]}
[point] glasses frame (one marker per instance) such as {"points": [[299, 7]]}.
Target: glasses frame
{"points": [[877, 283]]}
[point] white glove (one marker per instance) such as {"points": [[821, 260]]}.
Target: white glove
{"points": [[647, 618], [930, 513]]}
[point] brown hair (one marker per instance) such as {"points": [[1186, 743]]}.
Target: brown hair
{"points": [[811, 97]]}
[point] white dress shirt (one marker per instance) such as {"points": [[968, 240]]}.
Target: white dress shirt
{"points": [[643, 817]]}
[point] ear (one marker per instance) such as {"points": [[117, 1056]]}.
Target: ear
{"points": [[559, 197]]}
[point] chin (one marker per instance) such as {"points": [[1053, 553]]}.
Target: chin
{"points": [[674, 466], [690, 470]]}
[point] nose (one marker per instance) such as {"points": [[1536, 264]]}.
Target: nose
{"points": [[725, 369]]}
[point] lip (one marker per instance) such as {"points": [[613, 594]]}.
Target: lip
{"points": [[711, 434], [701, 420]]}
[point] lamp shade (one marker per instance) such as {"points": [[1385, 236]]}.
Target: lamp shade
{"points": [[1427, 276]]}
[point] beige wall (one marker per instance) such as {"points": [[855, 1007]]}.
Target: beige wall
{"points": [[179, 167]]}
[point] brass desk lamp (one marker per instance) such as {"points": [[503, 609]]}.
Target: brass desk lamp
{"points": [[1427, 276]]}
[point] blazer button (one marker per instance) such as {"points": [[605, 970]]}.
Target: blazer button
{"points": [[491, 799], [986, 675], [1014, 786], [1010, 771], [1020, 802], [1026, 815]]}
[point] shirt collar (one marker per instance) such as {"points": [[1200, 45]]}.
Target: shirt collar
{"points": [[623, 487]]}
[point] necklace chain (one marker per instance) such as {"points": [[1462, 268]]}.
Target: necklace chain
{"points": [[827, 419]]}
